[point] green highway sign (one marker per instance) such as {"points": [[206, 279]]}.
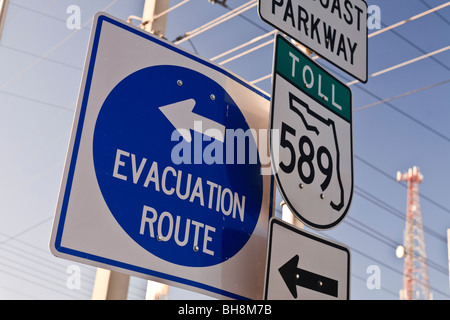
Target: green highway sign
{"points": [[311, 137], [313, 80]]}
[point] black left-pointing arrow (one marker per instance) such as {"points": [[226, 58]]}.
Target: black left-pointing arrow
{"points": [[294, 277]]}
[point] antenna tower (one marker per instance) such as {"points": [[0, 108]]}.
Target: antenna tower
{"points": [[415, 271]]}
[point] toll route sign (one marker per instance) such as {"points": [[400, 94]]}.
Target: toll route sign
{"points": [[311, 141], [165, 177], [336, 30]]}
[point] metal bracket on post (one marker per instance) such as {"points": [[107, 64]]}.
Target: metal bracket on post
{"points": [[288, 216]]}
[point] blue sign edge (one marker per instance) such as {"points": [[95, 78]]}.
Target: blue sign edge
{"points": [[97, 24]]}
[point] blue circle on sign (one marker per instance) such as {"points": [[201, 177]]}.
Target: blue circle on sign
{"points": [[192, 202]]}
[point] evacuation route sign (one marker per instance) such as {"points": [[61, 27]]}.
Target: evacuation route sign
{"points": [[165, 178], [311, 138]]}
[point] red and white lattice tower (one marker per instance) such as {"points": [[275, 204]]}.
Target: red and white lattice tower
{"points": [[415, 272]]}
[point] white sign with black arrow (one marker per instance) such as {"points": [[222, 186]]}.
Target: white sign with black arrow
{"points": [[313, 269]]}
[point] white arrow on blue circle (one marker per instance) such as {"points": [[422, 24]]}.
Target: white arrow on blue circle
{"points": [[182, 118]]}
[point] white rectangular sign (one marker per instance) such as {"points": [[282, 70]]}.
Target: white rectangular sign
{"points": [[336, 30], [155, 183], [303, 266]]}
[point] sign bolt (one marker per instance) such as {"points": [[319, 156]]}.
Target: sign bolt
{"points": [[158, 237], [213, 97], [322, 196], [179, 83], [301, 185], [196, 248]]}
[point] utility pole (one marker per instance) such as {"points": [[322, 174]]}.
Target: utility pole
{"points": [[448, 254], [112, 285], [3, 8], [154, 20]]}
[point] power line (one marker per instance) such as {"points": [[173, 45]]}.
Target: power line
{"points": [[364, 228], [246, 52], [254, 40], [395, 212], [417, 16], [412, 44], [407, 115], [391, 27], [383, 238], [401, 95], [36, 275], [26, 254], [382, 263], [436, 13], [382, 288], [231, 14], [157, 16], [405, 63], [38, 56], [383, 71], [387, 175], [42, 13], [51, 50], [31, 25]]}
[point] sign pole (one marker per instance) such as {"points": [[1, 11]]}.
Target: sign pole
{"points": [[3, 8], [288, 216], [153, 8], [110, 285], [448, 247], [155, 290]]}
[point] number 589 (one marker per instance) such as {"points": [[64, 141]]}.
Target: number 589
{"points": [[304, 161]]}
